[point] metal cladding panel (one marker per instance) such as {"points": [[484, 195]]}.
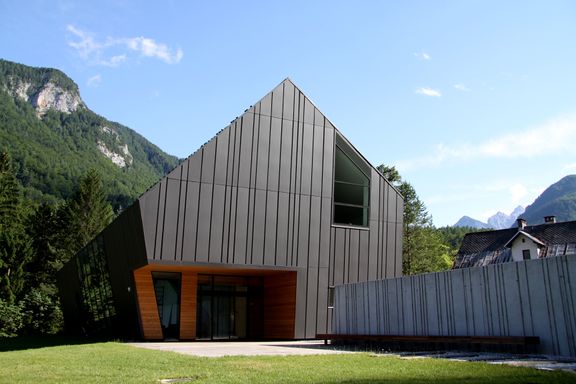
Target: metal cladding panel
{"points": [[217, 224], [351, 266], [307, 146], [308, 111], [181, 219], [160, 217], [288, 102], [367, 260], [312, 301], [171, 211], [241, 229], [324, 245], [245, 149], [259, 230], [328, 161], [208, 161], [277, 101], [281, 253], [266, 105], [195, 166], [317, 160], [271, 228], [233, 154], [304, 231], [190, 221], [222, 151], [204, 217], [323, 285], [315, 225], [274, 157], [286, 162], [149, 211], [263, 153]]}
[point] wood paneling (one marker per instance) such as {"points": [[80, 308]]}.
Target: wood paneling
{"points": [[280, 306], [149, 318], [188, 297]]}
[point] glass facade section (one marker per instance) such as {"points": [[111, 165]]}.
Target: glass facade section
{"points": [[95, 300]]}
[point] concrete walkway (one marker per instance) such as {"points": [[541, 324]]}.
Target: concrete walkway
{"points": [[244, 348], [317, 347]]}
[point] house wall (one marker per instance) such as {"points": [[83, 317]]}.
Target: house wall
{"points": [[259, 194], [520, 244], [526, 298]]}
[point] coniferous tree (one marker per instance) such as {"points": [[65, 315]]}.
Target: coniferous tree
{"points": [[86, 214], [15, 245], [423, 249]]}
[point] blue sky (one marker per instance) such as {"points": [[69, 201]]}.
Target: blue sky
{"points": [[473, 101]]}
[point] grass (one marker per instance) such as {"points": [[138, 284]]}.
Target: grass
{"points": [[118, 363]]}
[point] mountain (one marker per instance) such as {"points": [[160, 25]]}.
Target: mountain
{"points": [[498, 221], [54, 139], [558, 200], [502, 221], [467, 221]]}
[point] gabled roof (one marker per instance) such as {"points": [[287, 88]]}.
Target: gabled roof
{"points": [[491, 247], [522, 233]]}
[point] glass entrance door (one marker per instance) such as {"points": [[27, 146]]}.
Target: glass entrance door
{"points": [[167, 289], [229, 307]]}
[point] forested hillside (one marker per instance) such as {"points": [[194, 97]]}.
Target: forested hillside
{"points": [[558, 200], [54, 139]]}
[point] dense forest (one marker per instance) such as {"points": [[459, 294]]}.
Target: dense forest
{"points": [[36, 239]]}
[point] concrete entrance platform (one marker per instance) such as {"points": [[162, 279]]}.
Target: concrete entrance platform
{"points": [[244, 348]]}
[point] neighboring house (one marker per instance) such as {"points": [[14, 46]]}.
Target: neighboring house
{"points": [[514, 244], [245, 239]]}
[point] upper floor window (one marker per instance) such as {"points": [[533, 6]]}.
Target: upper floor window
{"points": [[351, 187]]}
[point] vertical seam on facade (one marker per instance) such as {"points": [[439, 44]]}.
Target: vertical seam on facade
{"points": [[185, 208], [198, 204], [178, 212]]}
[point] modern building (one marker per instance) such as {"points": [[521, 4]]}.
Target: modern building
{"points": [[245, 239], [525, 242]]}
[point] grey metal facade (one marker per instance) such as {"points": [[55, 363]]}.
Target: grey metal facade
{"points": [[260, 195], [525, 298]]}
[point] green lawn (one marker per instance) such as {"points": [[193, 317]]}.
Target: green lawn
{"points": [[117, 363]]}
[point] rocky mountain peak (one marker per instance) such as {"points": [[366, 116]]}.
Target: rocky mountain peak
{"points": [[43, 88], [54, 97]]}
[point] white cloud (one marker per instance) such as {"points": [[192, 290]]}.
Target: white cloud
{"points": [[114, 51], [423, 56], [428, 92], [517, 193], [150, 48], [461, 87], [94, 81], [556, 136]]}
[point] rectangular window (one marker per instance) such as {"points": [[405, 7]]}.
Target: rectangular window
{"points": [[526, 254], [351, 188]]}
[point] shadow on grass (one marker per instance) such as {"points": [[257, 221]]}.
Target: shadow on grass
{"points": [[33, 342]]}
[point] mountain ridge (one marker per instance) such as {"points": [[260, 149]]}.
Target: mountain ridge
{"points": [[54, 139]]}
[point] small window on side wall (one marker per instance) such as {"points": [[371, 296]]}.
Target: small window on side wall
{"points": [[351, 188]]}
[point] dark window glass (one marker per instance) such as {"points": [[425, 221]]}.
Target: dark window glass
{"points": [[526, 254], [351, 191], [96, 300]]}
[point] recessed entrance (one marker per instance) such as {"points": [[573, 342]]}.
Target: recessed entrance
{"points": [[230, 307], [167, 290]]}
